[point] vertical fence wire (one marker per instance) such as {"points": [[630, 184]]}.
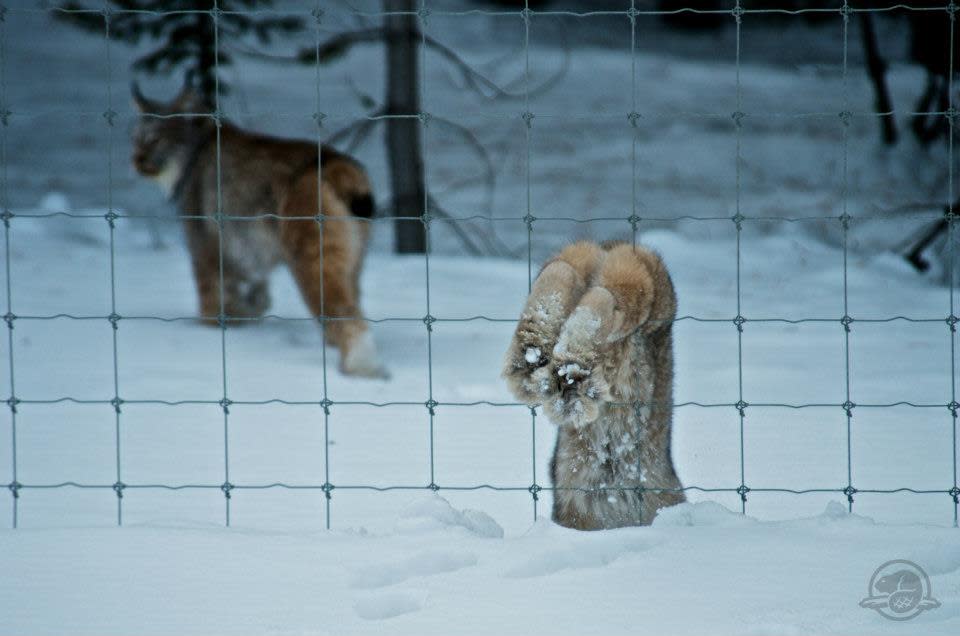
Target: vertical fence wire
{"points": [[14, 486], [633, 118], [227, 487], [114, 319], [528, 219], [422, 122], [421, 15], [845, 118], [326, 403], [951, 263], [739, 321]]}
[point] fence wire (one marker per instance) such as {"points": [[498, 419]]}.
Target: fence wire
{"points": [[737, 13]]}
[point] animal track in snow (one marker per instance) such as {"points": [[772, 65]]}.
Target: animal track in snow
{"points": [[385, 605], [427, 563], [584, 554]]}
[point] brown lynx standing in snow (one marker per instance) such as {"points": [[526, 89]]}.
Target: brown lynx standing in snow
{"points": [[594, 345], [262, 175]]}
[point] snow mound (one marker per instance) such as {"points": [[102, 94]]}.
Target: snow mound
{"points": [[939, 557], [837, 512], [703, 513], [436, 513]]}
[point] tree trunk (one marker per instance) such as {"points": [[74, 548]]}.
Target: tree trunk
{"points": [[403, 134]]}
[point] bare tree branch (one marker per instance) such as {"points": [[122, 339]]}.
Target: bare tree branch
{"points": [[350, 129]]}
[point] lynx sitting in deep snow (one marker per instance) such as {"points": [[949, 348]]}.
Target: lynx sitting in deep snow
{"points": [[594, 345], [261, 175]]}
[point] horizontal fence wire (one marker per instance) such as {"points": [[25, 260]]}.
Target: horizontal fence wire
{"points": [[737, 12]]}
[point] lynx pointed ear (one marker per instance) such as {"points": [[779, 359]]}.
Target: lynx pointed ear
{"points": [[143, 104], [189, 100]]}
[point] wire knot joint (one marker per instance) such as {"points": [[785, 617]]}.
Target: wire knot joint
{"points": [[849, 491]]}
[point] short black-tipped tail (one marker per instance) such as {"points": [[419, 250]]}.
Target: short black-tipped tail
{"points": [[362, 205]]}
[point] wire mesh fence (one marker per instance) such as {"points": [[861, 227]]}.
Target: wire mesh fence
{"points": [[531, 219]]}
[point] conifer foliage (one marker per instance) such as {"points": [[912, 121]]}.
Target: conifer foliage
{"points": [[187, 35]]}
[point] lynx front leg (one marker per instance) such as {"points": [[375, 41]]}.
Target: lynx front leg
{"points": [[555, 292], [243, 297], [632, 292]]}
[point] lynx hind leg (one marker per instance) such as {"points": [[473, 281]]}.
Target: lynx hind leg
{"points": [[555, 292], [632, 291], [328, 278]]}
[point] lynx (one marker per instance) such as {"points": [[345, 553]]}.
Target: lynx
{"points": [[176, 144], [594, 346]]}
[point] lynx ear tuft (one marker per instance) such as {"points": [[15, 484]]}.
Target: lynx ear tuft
{"points": [[190, 100]]}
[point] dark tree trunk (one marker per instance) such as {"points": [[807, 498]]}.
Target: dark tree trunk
{"points": [[403, 134], [202, 76]]}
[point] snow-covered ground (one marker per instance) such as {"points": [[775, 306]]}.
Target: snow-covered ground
{"points": [[406, 561], [698, 570], [403, 553]]}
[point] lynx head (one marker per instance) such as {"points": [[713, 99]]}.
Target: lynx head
{"points": [[166, 133]]}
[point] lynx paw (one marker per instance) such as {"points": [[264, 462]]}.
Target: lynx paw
{"points": [[579, 393], [527, 372], [527, 367], [361, 359]]}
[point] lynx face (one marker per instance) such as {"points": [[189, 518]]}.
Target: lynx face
{"points": [[164, 134]]}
